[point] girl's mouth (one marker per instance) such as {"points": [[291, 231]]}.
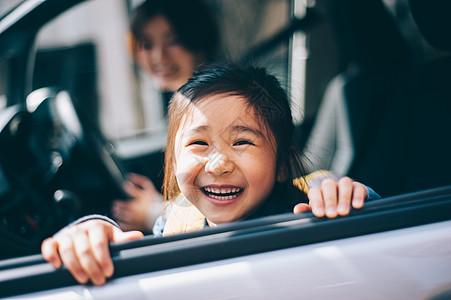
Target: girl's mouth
{"points": [[222, 193]]}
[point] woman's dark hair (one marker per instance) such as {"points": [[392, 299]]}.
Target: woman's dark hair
{"points": [[192, 22], [271, 106]]}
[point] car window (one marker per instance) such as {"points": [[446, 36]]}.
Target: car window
{"points": [[93, 60], [84, 53], [365, 67]]}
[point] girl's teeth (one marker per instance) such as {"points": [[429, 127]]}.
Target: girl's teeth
{"points": [[223, 197], [223, 191]]}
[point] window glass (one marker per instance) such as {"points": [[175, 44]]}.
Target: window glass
{"points": [[87, 51]]}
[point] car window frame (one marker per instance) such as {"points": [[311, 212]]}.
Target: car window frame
{"points": [[32, 273]]}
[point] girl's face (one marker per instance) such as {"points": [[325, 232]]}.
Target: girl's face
{"points": [[225, 161], [160, 54]]}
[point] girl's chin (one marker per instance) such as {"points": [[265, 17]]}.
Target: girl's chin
{"points": [[213, 222], [217, 218]]}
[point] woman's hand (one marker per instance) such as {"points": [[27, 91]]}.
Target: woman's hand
{"points": [[334, 198], [83, 249], [140, 212]]}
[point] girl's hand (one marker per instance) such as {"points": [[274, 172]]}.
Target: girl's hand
{"points": [[334, 198], [83, 248]]}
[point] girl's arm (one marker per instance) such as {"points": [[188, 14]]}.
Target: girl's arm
{"points": [[83, 248]]}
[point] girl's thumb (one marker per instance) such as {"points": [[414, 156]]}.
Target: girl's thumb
{"points": [[120, 236], [301, 207]]}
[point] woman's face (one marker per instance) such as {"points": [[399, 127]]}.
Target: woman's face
{"points": [[160, 53], [225, 163]]}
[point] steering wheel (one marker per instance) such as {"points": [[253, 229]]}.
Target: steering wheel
{"points": [[53, 168], [81, 158]]}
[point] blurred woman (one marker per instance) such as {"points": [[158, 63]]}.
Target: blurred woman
{"points": [[170, 40]]}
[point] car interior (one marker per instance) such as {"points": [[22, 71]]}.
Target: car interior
{"points": [[372, 103]]}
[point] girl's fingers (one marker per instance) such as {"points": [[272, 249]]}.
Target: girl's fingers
{"points": [[83, 249], [70, 259], [99, 238], [85, 255], [359, 195], [335, 198], [345, 185], [49, 250], [329, 191], [316, 202]]}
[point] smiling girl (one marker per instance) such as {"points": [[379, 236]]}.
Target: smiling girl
{"points": [[233, 156], [230, 156]]}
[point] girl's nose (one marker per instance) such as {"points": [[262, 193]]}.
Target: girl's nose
{"points": [[218, 164]]}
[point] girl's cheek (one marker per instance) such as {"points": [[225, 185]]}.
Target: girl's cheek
{"points": [[188, 168]]}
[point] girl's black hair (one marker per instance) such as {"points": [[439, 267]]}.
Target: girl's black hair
{"points": [[192, 21], [272, 108]]}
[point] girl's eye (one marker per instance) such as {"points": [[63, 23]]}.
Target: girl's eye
{"points": [[243, 142], [202, 143]]}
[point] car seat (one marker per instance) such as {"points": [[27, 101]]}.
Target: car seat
{"points": [[411, 150], [355, 102], [429, 98]]}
